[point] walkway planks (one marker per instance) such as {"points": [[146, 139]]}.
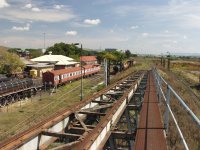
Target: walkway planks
{"points": [[150, 135]]}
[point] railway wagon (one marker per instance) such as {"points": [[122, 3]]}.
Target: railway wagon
{"points": [[15, 85], [17, 89], [56, 77]]}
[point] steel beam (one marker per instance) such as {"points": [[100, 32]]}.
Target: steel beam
{"points": [[61, 135], [91, 113], [32, 138]]}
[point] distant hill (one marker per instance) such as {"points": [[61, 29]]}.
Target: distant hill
{"points": [[3, 48]]}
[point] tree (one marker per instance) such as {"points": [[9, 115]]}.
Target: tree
{"points": [[10, 63], [114, 56], [128, 54], [34, 52], [63, 49]]}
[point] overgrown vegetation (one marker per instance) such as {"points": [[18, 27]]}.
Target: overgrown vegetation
{"points": [[10, 63], [189, 128]]}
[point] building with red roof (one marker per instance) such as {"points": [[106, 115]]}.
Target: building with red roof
{"points": [[88, 60]]}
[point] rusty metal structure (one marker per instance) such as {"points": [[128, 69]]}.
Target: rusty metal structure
{"points": [[93, 118], [150, 133], [18, 89], [125, 115]]}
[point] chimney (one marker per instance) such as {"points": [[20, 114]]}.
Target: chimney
{"points": [[50, 52]]}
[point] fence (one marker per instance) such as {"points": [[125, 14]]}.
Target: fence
{"points": [[160, 83]]}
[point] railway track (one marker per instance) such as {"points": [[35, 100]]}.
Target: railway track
{"points": [[29, 121], [86, 125]]}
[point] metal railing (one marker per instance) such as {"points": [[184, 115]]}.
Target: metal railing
{"points": [[160, 82]]}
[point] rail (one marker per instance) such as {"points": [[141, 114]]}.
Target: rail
{"points": [[159, 86], [73, 125]]}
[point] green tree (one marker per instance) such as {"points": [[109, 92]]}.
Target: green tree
{"points": [[10, 63], [63, 49], [13, 50], [34, 52], [128, 54]]}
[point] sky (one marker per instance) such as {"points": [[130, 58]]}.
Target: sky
{"points": [[142, 26]]}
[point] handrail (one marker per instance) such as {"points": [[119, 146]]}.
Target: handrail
{"points": [[195, 118], [159, 80]]}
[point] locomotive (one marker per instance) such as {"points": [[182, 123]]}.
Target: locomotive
{"points": [[122, 66], [58, 77]]}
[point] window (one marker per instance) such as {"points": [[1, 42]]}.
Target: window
{"points": [[56, 78], [65, 75]]}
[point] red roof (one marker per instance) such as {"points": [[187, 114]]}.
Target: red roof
{"points": [[88, 58], [68, 70]]}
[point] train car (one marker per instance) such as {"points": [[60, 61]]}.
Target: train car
{"points": [[16, 89], [15, 85], [70, 74], [91, 70], [56, 77]]}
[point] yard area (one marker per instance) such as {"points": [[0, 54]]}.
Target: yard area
{"points": [[21, 115]]}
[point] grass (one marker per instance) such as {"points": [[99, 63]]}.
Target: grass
{"points": [[18, 118], [21, 117], [189, 73], [33, 112], [189, 128]]}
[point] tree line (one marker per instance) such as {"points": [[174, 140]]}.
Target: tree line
{"points": [[10, 62], [75, 52]]}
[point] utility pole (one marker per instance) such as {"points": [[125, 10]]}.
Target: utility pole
{"points": [[107, 71], [81, 74], [168, 64], [81, 64], [44, 40]]}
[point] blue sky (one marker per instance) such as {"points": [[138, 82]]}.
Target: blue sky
{"points": [[142, 26]]}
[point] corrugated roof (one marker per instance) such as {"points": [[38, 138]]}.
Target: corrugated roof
{"points": [[52, 58], [88, 58], [26, 61], [40, 65], [62, 62]]}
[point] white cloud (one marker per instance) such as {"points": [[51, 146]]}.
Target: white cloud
{"points": [[166, 31], [46, 15], [111, 31], [24, 28], [134, 27], [71, 33], [58, 6], [145, 34], [28, 5], [185, 37], [35, 9], [121, 39], [3, 4], [92, 21], [179, 13], [6, 42]]}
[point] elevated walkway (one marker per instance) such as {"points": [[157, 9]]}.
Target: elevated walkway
{"points": [[150, 131]]}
